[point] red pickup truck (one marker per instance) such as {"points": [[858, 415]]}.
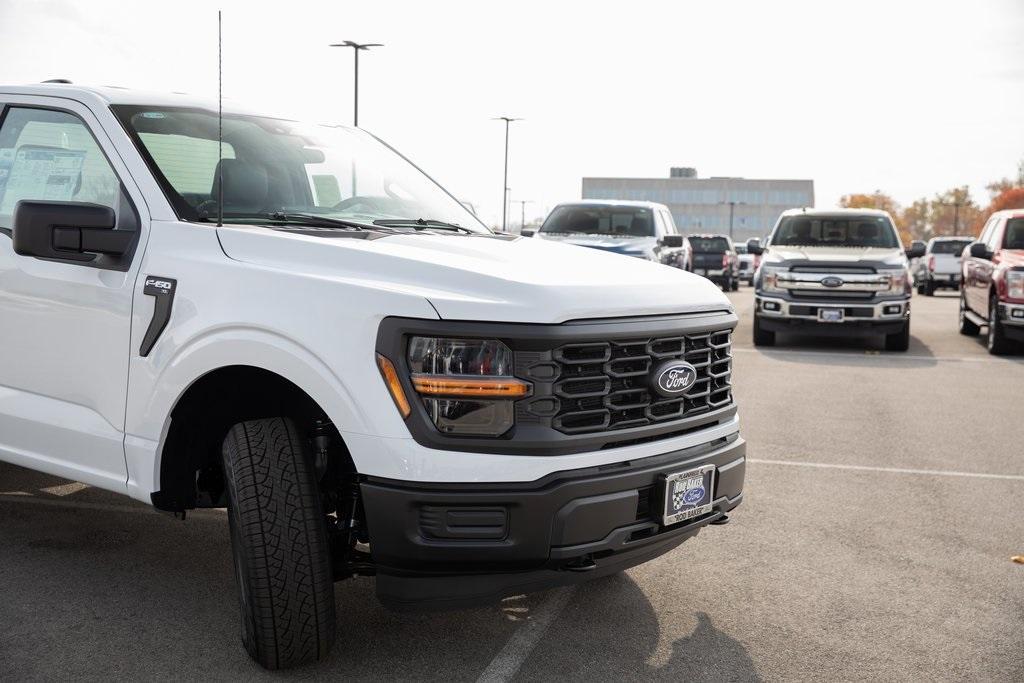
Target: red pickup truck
{"points": [[993, 277]]}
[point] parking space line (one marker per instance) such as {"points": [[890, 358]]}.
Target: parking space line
{"points": [[889, 470], [517, 650]]}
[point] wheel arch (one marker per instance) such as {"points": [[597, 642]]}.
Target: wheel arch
{"points": [[188, 467], [176, 430]]}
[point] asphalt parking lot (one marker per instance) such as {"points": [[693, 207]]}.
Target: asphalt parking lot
{"points": [[883, 504]]}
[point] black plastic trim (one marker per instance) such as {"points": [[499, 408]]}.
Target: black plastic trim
{"points": [[529, 439], [162, 289]]}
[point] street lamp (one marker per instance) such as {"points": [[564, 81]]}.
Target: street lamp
{"points": [[356, 47], [732, 208], [522, 212], [504, 184]]}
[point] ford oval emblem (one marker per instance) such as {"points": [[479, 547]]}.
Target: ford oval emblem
{"points": [[673, 377], [831, 281]]}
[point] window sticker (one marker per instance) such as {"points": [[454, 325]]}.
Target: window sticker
{"points": [[42, 173]]}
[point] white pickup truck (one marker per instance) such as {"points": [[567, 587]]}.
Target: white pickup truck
{"points": [[939, 268], [295, 323]]}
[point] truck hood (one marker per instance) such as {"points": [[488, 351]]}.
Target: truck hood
{"points": [[619, 245], [866, 256], [484, 277]]}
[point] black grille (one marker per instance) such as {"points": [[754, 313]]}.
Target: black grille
{"points": [[603, 386]]}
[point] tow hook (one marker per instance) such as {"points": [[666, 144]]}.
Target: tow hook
{"points": [[724, 519], [581, 564]]}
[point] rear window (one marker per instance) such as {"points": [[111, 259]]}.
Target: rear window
{"points": [[836, 231], [950, 246], [622, 221], [709, 245], [1014, 234]]}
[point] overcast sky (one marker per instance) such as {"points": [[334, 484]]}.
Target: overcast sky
{"points": [[908, 97]]}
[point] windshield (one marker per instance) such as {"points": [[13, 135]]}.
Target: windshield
{"points": [[620, 221], [272, 166], [950, 246], [1014, 234], [836, 231], [709, 245]]}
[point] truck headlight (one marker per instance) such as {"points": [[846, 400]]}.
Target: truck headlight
{"points": [[466, 385], [1015, 284], [770, 278], [899, 280]]}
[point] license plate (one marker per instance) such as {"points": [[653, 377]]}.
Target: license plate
{"points": [[830, 315], [688, 494]]}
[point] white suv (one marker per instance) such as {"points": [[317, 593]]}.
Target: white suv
{"points": [[298, 325]]}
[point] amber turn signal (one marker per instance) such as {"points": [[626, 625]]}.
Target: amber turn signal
{"points": [[469, 387], [390, 375]]}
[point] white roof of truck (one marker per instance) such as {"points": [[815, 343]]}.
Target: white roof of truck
{"points": [[107, 95]]}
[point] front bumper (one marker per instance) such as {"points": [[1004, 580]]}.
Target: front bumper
{"points": [[779, 314], [450, 545], [1012, 318]]}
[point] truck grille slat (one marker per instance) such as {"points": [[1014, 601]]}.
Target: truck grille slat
{"points": [[604, 386]]}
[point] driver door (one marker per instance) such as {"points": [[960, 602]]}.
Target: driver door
{"points": [[64, 324]]}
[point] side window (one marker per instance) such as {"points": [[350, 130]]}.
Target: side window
{"points": [[47, 154], [986, 231], [995, 236], [670, 224]]}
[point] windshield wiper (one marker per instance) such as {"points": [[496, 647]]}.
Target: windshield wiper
{"points": [[420, 224], [315, 220]]}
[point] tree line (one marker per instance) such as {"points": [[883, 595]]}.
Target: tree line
{"points": [[953, 212]]}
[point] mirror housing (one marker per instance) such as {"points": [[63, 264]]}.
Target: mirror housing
{"points": [[980, 250], [917, 249], [67, 231], [672, 241], [528, 232]]}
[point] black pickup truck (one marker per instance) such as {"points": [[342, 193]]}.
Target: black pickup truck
{"points": [[715, 258]]}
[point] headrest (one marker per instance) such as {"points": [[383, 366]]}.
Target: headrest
{"points": [[245, 186]]}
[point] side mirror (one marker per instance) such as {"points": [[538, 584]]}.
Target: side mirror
{"points": [[528, 232], [754, 246], [917, 249], [67, 231], [980, 250], [672, 241]]}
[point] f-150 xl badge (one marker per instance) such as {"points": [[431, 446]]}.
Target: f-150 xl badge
{"points": [[163, 289]]}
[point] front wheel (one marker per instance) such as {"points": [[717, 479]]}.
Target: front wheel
{"points": [[279, 542], [898, 341], [762, 337]]}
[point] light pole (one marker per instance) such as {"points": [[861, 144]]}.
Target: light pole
{"points": [[732, 207], [504, 183], [522, 212], [356, 47]]}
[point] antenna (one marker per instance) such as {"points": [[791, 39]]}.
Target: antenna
{"points": [[220, 125]]}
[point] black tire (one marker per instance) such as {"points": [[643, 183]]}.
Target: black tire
{"points": [[727, 284], [735, 284], [929, 288], [967, 328], [279, 542], [997, 342], [762, 337], [898, 341], [920, 289]]}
